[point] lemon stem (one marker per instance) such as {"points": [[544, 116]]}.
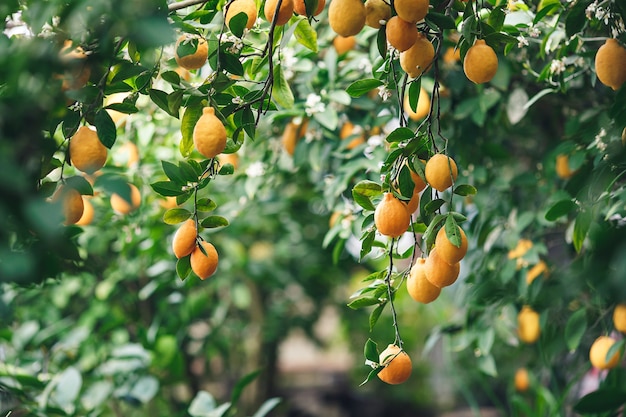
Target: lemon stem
{"points": [[390, 291]]}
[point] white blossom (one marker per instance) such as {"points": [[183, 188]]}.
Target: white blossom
{"points": [[237, 100], [534, 32], [557, 66], [314, 104], [590, 10], [384, 93], [256, 169], [521, 41]]}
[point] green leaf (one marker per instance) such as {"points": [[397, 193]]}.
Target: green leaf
{"points": [[487, 365], [363, 201], [107, 132], [581, 228], [381, 42], [375, 315], [465, 189], [560, 208], [228, 169], [366, 244], [124, 107], [80, 184], [452, 231], [173, 172], [183, 267], [176, 215], [174, 100], [400, 134], [371, 376], [71, 121], [576, 19], [205, 204], [429, 234], [434, 205], [601, 401], [238, 23], [281, 92], [242, 383], [440, 20], [367, 188], [363, 302], [575, 329], [188, 123], [231, 63], [171, 77], [370, 351], [266, 407], [167, 188], [414, 93], [306, 35], [214, 221], [360, 87]]}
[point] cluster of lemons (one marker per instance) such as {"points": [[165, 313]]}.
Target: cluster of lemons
{"points": [[439, 269]]}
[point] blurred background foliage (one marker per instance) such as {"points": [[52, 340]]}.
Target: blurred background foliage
{"points": [[95, 321]]}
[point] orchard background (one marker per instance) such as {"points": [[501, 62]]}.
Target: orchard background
{"points": [[101, 319]]}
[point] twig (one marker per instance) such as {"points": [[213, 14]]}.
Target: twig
{"points": [[185, 3], [394, 316]]}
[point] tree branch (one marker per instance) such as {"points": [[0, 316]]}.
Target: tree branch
{"points": [[182, 4]]}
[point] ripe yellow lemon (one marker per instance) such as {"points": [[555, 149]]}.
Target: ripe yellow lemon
{"points": [[439, 272], [284, 13], [563, 170], [619, 318], [128, 153], [195, 59], [528, 327], [242, 6], [72, 204], [391, 216], [209, 134], [419, 57], [481, 62], [413, 203], [355, 134], [599, 350], [184, 241], [346, 17], [522, 381], [441, 171], [87, 153], [299, 6], [230, 158], [423, 106], [411, 11], [292, 134], [610, 64], [204, 265], [540, 268], [375, 12], [88, 213], [523, 246], [446, 250], [451, 56], [78, 72], [400, 33], [121, 205], [397, 365], [344, 44], [419, 287]]}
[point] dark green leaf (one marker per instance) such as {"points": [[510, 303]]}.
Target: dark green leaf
{"points": [[174, 100], [360, 87], [429, 234], [171, 77], [400, 134], [371, 376], [363, 201], [440, 21], [601, 401], [560, 208], [183, 267], [107, 132], [176, 215], [434, 205], [173, 173], [414, 93], [544, 11], [496, 18], [370, 351], [375, 315], [242, 383], [452, 231], [581, 227], [575, 329], [71, 123], [167, 188], [214, 221], [575, 19], [159, 98], [238, 23], [465, 189], [188, 123], [80, 184], [205, 204], [381, 42], [366, 244], [124, 107]]}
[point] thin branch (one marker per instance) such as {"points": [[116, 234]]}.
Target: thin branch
{"points": [[390, 290], [185, 3]]}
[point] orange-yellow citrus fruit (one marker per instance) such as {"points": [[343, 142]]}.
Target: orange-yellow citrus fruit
{"points": [[446, 250], [418, 181], [299, 6], [184, 241], [528, 327], [411, 11], [423, 106], [128, 154], [441, 171], [540, 268], [87, 153], [72, 204], [619, 318], [78, 72], [610, 64], [242, 6], [88, 213], [451, 56], [419, 287], [419, 57], [522, 381], [523, 246], [292, 134], [599, 350], [204, 265], [344, 44], [354, 134], [196, 59], [563, 170], [375, 12], [400, 33], [481, 62], [284, 13], [230, 158], [209, 134], [397, 365], [439, 272], [391, 216], [346, 17], [121, 205], [413, 203]]}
